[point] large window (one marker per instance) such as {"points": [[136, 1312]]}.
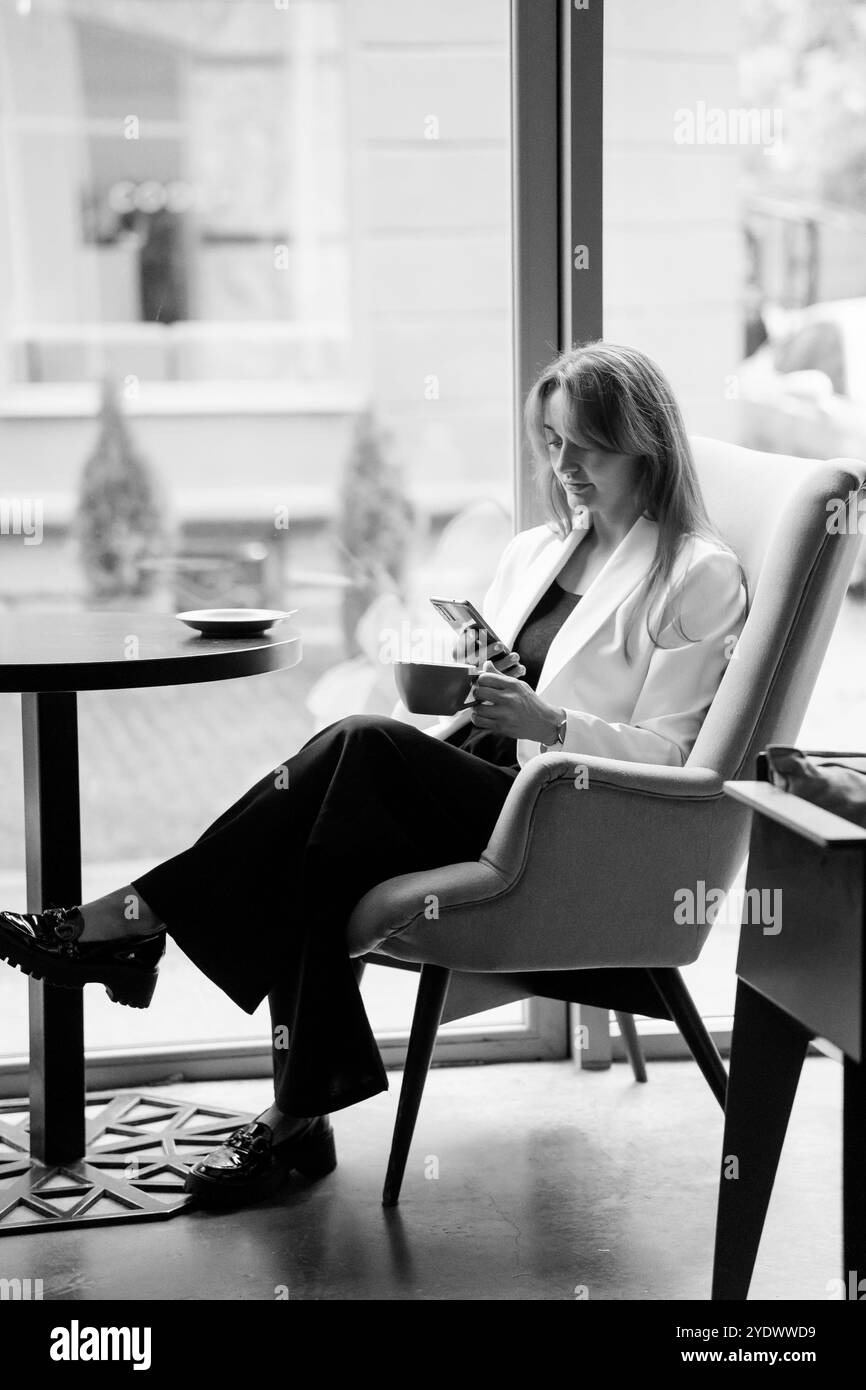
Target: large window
{"points": [[258, 254]]}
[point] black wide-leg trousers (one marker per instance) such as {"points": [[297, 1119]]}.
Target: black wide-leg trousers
{"points": [[261, 901]]}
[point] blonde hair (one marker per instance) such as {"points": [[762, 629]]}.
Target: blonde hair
{"points": [[617, 399]]}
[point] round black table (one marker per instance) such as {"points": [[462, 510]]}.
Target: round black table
{"points": [[67, 1174]]}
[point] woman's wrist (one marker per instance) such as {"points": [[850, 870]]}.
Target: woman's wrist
{"points": [[557, 722]]}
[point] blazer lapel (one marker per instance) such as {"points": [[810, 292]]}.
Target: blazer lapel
{"points": [[535, 581], [526, 590], [620, 576]]}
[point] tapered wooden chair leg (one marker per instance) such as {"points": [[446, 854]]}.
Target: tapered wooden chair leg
{"points": [[767, 1052], [631, 1040], [432, 992], [681, 1006]]}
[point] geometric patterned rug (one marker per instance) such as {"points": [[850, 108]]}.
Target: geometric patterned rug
{"points": [[138, 1150]]}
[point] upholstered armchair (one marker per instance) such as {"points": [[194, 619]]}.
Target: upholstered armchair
{"points": [[573, 898]]}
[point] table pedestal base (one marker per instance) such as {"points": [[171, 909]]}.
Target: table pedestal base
{"points": [[138, 1150]]}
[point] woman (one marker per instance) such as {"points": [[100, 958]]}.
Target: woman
{"points": [[622, 613]]}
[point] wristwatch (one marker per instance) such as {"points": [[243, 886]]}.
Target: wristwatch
{"points": [[560, 734]]}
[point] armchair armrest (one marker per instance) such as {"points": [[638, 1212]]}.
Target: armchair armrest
{"points": [[651, 779], [822, 827], [587, 775], [597, 888], [656, 779]]}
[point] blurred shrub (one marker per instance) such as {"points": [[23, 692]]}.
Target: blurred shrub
{"points": [[121, 520], [374, 526]]}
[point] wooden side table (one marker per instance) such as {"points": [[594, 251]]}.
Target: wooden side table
{"points": [[801, 982]]}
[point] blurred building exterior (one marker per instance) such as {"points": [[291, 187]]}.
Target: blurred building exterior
{"points": [[259, 216], [803, 252]]}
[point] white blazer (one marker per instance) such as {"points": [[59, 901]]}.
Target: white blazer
{"points": [[648, 709]]}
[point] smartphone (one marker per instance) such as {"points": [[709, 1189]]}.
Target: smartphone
{"points": [[459, 611]]}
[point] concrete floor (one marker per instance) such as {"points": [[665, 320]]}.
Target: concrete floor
{"points": [[549, 1181]]}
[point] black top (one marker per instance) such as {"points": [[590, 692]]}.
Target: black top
{"points": [[532, 643], [534, 638]]}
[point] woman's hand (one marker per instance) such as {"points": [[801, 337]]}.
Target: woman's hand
{"points": [[505, 705], [469, 648]]}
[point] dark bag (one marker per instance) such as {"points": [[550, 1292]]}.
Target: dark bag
{"points": [[834, 781]]}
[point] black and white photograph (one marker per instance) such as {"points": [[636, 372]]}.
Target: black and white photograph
{"points": [[432, 670]]}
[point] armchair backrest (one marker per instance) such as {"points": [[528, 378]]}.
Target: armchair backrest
{"points": [[773, 510]]}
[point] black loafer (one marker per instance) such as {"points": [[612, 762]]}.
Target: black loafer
{"points": [[46, 945], [250, 1166]]}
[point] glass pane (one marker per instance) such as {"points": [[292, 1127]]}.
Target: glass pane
{"points": [[734, 240], [256, 256]]}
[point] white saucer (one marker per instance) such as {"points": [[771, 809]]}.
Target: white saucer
{"points": [[233, 622]]}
